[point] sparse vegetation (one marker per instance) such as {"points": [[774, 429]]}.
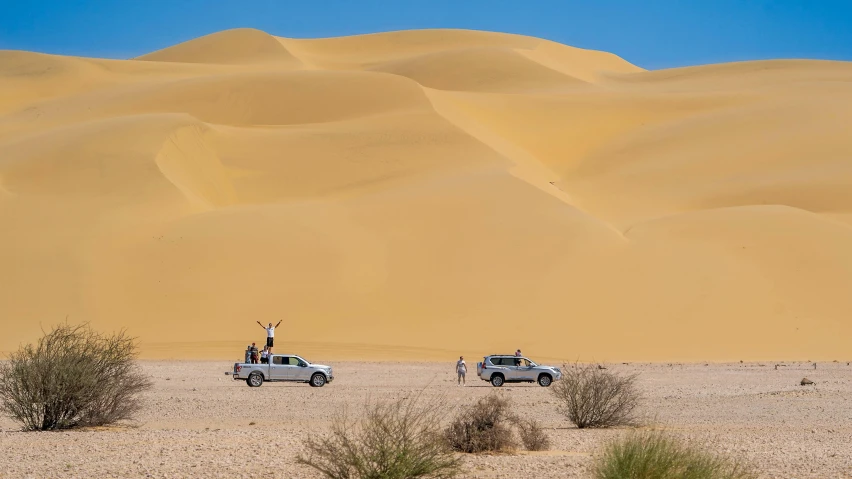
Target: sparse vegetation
{"points": [[397, 440], [654, 455], [593, 397], [483, 427], [74, 376], [532, 435]]}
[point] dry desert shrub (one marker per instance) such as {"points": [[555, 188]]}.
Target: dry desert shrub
{"points": [[483, 427], [74, 376], [654, 455], [400, 439], [532, 435], [594, 397]]}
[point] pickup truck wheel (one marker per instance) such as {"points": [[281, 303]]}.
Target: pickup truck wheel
{"points": [[255, 380], [317, 380], [497, 380], [544, 380]]}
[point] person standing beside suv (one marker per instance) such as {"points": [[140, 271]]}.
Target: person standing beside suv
{"points": [[461, 370]]}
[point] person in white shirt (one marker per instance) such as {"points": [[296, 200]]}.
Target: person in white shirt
{"points": [[461, 370], [270, 334], [264, 356]]}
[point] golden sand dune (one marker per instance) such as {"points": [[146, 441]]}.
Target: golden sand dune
{"points": [[232, 47], [423, 194]]}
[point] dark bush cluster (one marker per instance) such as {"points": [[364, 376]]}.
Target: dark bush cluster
{"points": [[489, 425], [483, 427], [404, 439], [72, 377]]}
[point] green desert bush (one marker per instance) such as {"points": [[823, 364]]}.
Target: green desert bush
{"points": [[483, 427], [655, 455], [394, 440], [594, 397], [74, 376]]}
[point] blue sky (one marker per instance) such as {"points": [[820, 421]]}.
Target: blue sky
{"points": [[650, 33]]}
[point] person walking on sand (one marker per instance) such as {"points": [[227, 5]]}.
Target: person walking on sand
{"points": [[270, 334], [461, 370]]}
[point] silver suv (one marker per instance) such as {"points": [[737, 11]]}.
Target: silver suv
{"points": [[498, 369]]}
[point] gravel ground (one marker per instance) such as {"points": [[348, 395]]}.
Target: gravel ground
{"points": [[198, 423]]}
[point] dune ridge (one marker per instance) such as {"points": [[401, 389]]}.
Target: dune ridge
{"points": [[416, 192]]}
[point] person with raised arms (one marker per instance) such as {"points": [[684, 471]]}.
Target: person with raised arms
{"points": [[270, 334]]}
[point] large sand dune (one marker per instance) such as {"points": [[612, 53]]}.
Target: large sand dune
{"points": [[424, 194]]}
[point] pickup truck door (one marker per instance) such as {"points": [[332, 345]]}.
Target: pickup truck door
{"points": [[301, 372], [280, 368]]}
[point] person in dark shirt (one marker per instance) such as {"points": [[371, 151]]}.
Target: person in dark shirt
{"points": [[254, 355]]}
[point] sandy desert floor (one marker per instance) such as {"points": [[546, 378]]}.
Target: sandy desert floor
{"points": [[198, 423]]}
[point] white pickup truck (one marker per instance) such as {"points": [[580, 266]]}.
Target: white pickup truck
{"points": [[284, 367]]}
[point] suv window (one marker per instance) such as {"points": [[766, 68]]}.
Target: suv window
{"points": [[503, 361]]}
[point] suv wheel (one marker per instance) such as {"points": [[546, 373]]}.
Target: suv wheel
{"points": [[255, 380], [497, 380], [544, 380], [317, 380]]}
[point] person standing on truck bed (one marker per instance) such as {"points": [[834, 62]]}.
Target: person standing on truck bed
{"points": [[270, 334], [253, 353]]}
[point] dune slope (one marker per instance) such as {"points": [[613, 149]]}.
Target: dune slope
{"points": [[424, 194]]}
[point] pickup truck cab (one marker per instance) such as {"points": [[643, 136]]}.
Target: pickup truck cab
{"points": [[284, 367], [499, 369]]}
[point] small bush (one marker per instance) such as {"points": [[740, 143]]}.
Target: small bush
{"points": [[594, 397], [653, 455], [73, 377], [397, 440], [482, 427], [532, 435]]}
